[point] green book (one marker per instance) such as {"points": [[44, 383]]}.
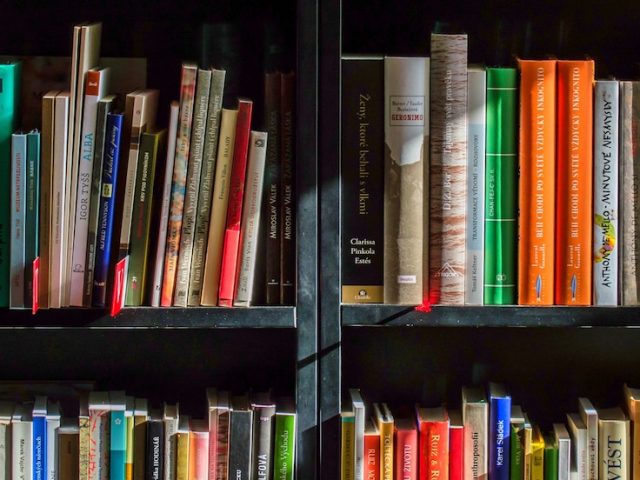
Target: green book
{"points": [[32, 218], [150, 150], [516, 464], [284, 443], [9, 107], [501, 195], [550, 458]]}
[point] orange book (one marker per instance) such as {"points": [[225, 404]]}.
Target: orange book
{"points": [[537, 182], [574, 198], [199, 450]]}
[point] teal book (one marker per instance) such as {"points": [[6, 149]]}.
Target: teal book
{"points": [[550, 458], [501, 194], [32, 214], [9, 109], [17, 218], [284, 442], [118, 445]]}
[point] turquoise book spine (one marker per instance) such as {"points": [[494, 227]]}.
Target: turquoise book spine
{"points": [[118, 445]]}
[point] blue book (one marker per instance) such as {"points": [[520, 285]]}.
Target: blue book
{"points": [[18, 207], [40, 438], [107, 207], [32, 217], [499, 432], [118, 445]]}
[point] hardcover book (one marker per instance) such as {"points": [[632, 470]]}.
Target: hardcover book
{"points": [[578, 432], [632, 398], [362, 177], [287, 188], [589, 416], [358, 408], [499, 432], [264, 411], [385, 422], [433, 426], [406, 451], [456, 446], [99, 428], [22, 443], [240, 441], [170, 422], [284, 441], [448, 175], [475, 416], [516, 428], [18, 208], [117, 436], [39, 453], [564, 450], [154, 465], [537, 455], [406, 127], [6, 412], [53, 421], [371, 451], [68, 449], [198, 450], [137, 436], [347, 454], [614, 449], [550, 458], [32, 220]]}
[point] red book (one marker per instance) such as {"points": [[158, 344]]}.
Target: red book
{"points": [[456, 445], [234, 210], [406, 450], [433, 425], [371, 451]]}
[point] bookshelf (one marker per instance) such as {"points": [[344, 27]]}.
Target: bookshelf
{"points": [[547, 357], [173, 354]]}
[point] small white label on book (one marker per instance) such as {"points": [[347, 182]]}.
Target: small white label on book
{"points": [[407, 279], [406, 110]]}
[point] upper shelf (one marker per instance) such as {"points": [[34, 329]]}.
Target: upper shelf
{"points": [[489, 316], [148, 317]]}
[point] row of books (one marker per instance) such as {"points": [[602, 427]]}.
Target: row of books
{"points": [[119, 437], [107, 209], [489, 438], [499, 186]]}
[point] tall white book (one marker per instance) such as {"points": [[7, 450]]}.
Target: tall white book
{"points": [[18, 210], [252, 205], [476, 130], [357, 404], [589, 416], [475, 417], [6, 412], [53, 419], [21, 444], [578, 432], [95, 89], [563, 440], [606, 212]]}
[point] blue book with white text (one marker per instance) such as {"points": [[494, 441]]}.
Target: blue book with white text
{"points": [[40, 439], [499, 432]]}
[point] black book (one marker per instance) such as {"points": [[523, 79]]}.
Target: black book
{"points": [[155, 447], [240, 441], [362, 174], [288, 195], [264, 410]]}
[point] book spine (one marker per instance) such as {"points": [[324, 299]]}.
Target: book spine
{"points": [[362, 164], [52, 471], [564, 459], [263, 423], [537, 182], [178, 187], [605, 193], [170, 428], [98, 428], [107, 207], [5, 451], [198, 456], [84, 441], [406, 461], [9, 105], [456, 453], [551, 463], [406, 124], [22, 461], [129, 455], [139, 448], [537, 461], [18, 207], [234, 210], [287, 187], [516, 461], [574, 197], [240, 444], [358, 443], [182, 456], [284, 448], [272, 203], [32, 215], [434, 447], [67, 455], [245, 275], [222, 442], [372, 457], [40, 448], [201, 106], [211, 280], [476, 419], [118, 446], [499, 441], [501, 179], [164, 207], [212, 135], [104, 107], [448, 169], [347, 453], [634, 458], [477, 126], [155, 443], [614, 449]]}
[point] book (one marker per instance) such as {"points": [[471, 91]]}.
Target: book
{"points": [[22, 443], [105, 106], [589, 416], [578, 432], [117, 436], [32, 220], [406, 449], [108, 195], [240, 441], [456, 445], [264, 411], [192, 186], [358, 409], [614, 447], [231, 243], [499, 441], [516, 429], [371, 450], [348, 449], [84, 437], [182, 444], [448, 176], [475, 416], [170, 422], [527, 441], [53, 422], [272, 191], [100, 432], [212, 136], [95, 88], [632, 399], [284, 446], [550, 458], [406, 83], [178, 186], [501, 179], [129, 419], [68, 452], [218, 404], [536, 251], [433, 427], [606, 212], [139, 448], [151, 151], [574, 197], [476, 133], [199, 450], [18, 210], [362, 179], [564, 450], [10, 74], [39, 439], [220, 201], [6, 412], [165, 205], [155, 461], [385, 422], [223, 418], [245, 291], [288, 270], [537, 455]]}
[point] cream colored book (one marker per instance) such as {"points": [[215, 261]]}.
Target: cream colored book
{"points": [[475, 417], [614, 442], [589, 416]]}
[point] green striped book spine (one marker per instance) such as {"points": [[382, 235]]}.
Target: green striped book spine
{"points": [[501, 195]]}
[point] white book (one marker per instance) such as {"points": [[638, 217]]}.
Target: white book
{"points": [[606, 211], [170, 420], [18, 210], [476, 130], [589, 416], [357, 404], [22, 444], [164, 207], [475, 417], [6, 412], [95, 89], [563, 440], [578, 432], [58, 246], [615, 444], [53, 423], [252, 205], [99, 419]]}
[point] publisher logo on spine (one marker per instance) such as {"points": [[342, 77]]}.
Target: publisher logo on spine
{"points": [[447, 271], [406, 110]]}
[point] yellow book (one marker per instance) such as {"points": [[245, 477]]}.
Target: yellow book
{"points": [[527, 442], [537, 454], [632, 397], [385, 422], [181, 439], [347, 465], [128, 415]]}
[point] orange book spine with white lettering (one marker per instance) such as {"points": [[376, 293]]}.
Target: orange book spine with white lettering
{"points": [[574, 199], [537, 182]]}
